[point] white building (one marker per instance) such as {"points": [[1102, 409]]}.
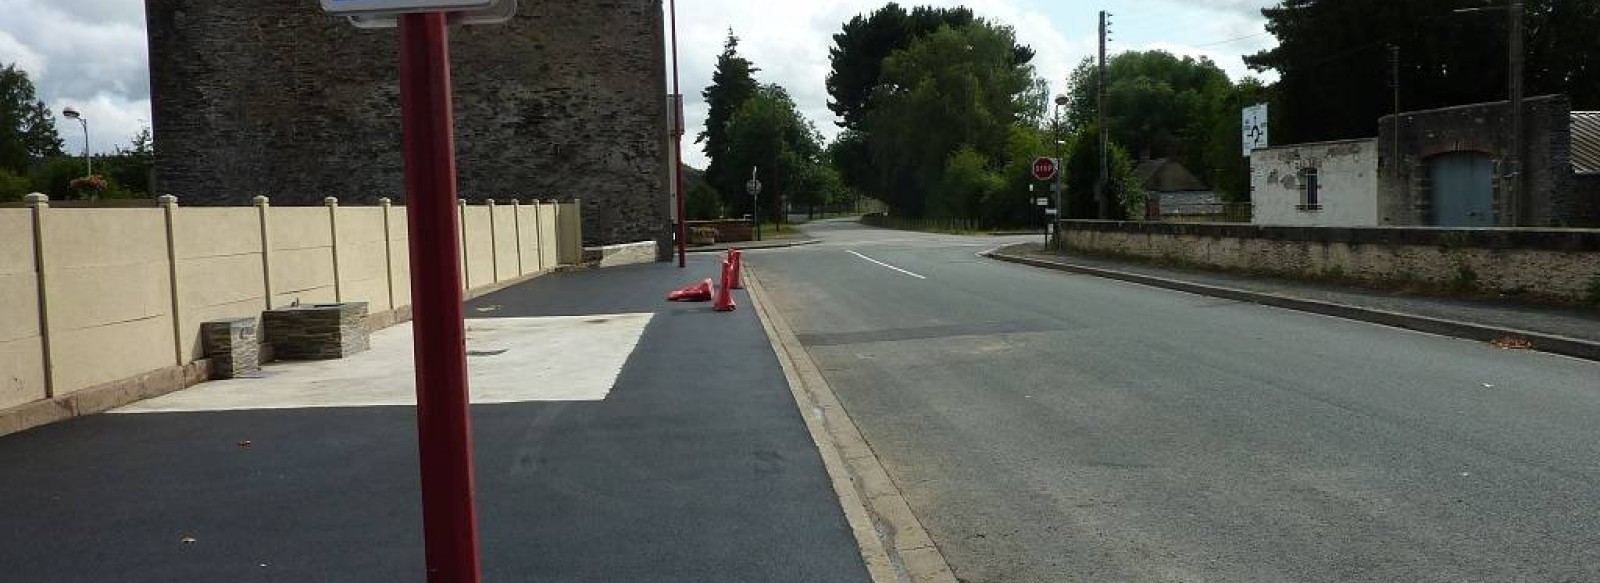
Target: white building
{"points": [[1324, 184]]}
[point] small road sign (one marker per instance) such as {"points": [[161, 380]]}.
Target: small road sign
{"points": [[1044, 168], [1041, 201], [753, 186], [1052, 212], [1254, 128]]}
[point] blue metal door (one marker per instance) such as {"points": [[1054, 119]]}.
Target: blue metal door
{"points": [[1463, 190]]}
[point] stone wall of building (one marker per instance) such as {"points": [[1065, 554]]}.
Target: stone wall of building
{"points": [[1547, 163], [1560, 264], [276, 98]]}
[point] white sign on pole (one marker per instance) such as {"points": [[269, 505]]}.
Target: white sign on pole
{"points": [[386, 13], [1041, 201], [1052, 212], [1254, 130]]}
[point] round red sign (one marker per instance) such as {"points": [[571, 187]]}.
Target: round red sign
{"points": [[1044, 168]]}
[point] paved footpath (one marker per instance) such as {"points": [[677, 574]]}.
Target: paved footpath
{"points": [[695, 465]]}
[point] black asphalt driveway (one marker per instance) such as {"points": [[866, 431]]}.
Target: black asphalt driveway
{"points": [[697, 467]]}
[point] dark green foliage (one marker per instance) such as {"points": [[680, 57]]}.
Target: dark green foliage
{"points": [[1332, 57], [732, 84], [27, 128]]}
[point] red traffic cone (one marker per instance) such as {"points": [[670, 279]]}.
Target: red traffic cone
{"points": [[724, 301], [697, 292], [736, 257]]}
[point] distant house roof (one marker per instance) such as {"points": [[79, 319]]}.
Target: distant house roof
{"points": [[1198, 202], [1167, 175], [1586, 142]]}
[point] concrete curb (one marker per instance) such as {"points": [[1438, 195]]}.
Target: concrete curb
{"points": [[894, 545], [1577, 348], [758, 245]]}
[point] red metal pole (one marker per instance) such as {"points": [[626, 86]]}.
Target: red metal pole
{"points": [[444, 426], [677, 150]]}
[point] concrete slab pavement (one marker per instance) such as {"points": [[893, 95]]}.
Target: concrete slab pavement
{"points": [[696, 466]]}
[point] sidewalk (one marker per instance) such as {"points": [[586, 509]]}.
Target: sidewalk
{"points": [[1574, 331], [694, 465]]}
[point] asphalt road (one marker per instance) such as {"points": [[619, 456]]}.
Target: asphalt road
{"points": [[696, 468], [1055, 427]]}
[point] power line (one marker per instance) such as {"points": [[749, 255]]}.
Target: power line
{"points": [[1233, 40]]}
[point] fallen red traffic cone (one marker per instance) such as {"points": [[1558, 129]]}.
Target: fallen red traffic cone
{"points": [[724, 301], [736, 257], [698, 292]]}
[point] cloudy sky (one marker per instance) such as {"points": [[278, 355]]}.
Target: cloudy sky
{"points": [[91, 53]]}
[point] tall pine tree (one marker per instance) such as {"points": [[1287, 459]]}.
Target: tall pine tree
{"points": [[732, 84], [27, 130]]}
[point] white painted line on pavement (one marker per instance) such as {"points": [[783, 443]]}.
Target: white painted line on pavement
{"points": [[886, 265]]}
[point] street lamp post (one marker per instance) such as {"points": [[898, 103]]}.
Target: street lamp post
{"points": [[88, 163]]}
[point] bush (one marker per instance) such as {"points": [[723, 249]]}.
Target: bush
{"points": [[12, 186]]}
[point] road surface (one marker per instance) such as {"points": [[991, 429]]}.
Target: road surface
{"points": [[1052, 427]]}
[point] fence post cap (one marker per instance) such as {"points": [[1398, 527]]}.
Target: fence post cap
{"points": [[167, 200], [384, 201], [488, 201], [36, 198], [261, 201], [331, 201]]}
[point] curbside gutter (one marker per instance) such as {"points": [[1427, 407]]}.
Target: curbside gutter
{"points": [[894, 545], [1573, 347]]}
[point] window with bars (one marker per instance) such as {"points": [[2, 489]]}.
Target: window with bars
{"points": [[1310, 189]]}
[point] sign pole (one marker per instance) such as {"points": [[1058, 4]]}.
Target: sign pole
{"points": [[444, 427]]}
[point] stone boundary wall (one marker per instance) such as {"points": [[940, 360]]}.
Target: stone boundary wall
{"points": [[728, 230], [1561, 264], [98, 297]]}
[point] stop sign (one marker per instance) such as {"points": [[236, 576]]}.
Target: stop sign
{"points": [[1044, 168]]}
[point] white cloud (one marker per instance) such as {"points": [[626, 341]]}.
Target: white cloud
{"points": [[90, 54]]}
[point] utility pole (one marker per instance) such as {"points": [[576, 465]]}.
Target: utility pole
{"points": [[1103, 182], [1515, 198], [1394, 83]]}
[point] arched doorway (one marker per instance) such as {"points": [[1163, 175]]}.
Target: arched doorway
{"points": [[1463, 189]]}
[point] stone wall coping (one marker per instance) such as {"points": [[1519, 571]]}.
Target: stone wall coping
{"points": [[1579, 240]]}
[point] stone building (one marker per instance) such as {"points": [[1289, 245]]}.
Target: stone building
{"points": [[1325, 184], [276, 98], [1451, 168]]}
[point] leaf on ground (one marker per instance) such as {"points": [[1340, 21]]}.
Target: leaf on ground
{"points": [[188, 540], [245, 443], [1512, 343]]}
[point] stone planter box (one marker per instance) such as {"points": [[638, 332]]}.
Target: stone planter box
{"points": [[317, 331], [232, 346]]}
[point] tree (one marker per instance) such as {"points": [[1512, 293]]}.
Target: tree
{"points": [[970, 80], [769, 133], [1154, 101], [1012, 205], [732, 84], [27, 129], [860, 49], [1332, 59], [1083, 171]]}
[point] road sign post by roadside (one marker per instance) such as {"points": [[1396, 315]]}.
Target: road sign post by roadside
{"points": [[754, 188], [1045, 169], [427, 124]]}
